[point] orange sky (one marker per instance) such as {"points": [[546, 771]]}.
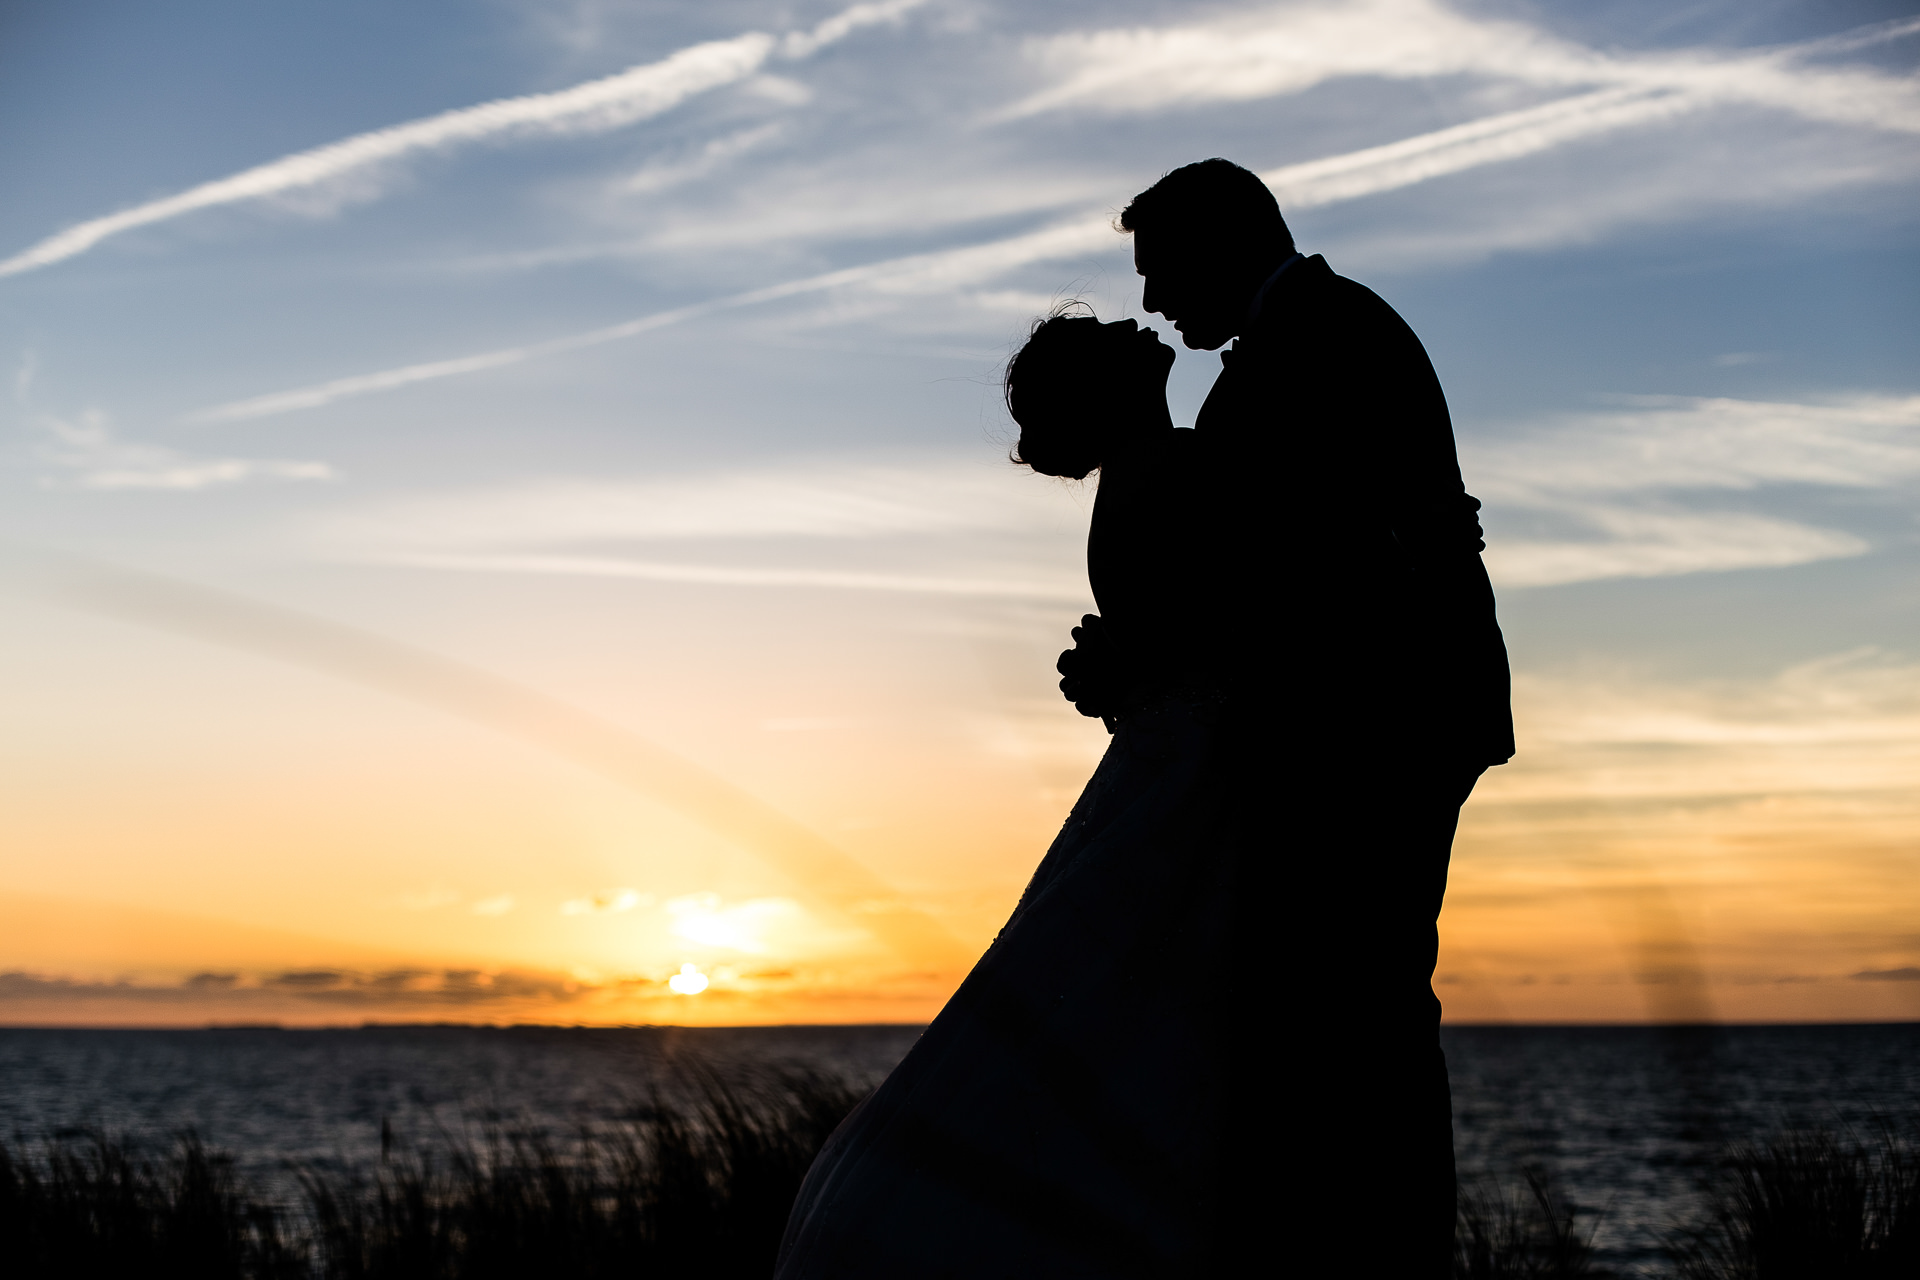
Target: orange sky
{"points": [[241, 824]]}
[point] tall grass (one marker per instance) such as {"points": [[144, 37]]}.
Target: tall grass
{"points": [[90, 1208], [698, 1180], [697, 1183], [1505, 1232], [1810, 1205]]}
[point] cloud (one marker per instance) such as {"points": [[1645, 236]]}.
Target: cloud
{"points": [[804, 44], [597, 106], [498, 905], [325, 995], [97, 459], [915, 273], [1284, 49], [308, 980], [1764, 823], [1289, 49], [1684, 85], [606, 900], [1685, 442], [1844, 720], [1631, 484], [820, 500], [1490, 140], [1335, 178], [1629, 543], [394, 987], [660, 175], [1906, 973], [562, 527], [741, 576]]}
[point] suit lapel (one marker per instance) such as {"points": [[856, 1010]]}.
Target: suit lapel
{"points": [[1221, 409], [1216, 408]]}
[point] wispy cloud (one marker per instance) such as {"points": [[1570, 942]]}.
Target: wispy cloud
{"points": [[804, 44], [1274, 52], [661, 174], [814, 501], [1775, 810], [1844, 722], [563, 527], [394, 987], [1008, 588], [1330, 180], [1626, 487], [1289, 49], [1633, 542], [597, 106], [1489, 140], [915, 273], [1687, 442], [94, 458]]}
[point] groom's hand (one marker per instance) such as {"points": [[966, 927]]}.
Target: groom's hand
{"points": [[1090, 674]]}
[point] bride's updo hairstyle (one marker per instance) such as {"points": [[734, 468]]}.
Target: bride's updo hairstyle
{"points": [[1054, 398]]}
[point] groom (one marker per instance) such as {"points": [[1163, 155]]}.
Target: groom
{"points": [[1375, 691]]}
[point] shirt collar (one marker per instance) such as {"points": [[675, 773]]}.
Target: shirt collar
{"points": [[1259, 303]]}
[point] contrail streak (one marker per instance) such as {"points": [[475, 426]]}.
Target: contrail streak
{"points": [[594, 107], [723, 575], [220, 617], [909, 274], [1478, 142], [1859, 38], [598, 105], [1329, 180]]}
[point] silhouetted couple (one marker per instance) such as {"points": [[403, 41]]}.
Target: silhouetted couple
{"points": [[1206, 1043]]}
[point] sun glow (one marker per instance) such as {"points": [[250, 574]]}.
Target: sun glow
{"points": [[700, 917], [689, 981]]}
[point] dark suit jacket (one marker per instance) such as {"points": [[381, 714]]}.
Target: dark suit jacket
{"points": [[1364, 546]]}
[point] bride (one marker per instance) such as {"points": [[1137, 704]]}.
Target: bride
{"points": [[1077, 1109]]}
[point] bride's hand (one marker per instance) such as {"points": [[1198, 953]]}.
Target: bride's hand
{"points": [[1090, 672]]}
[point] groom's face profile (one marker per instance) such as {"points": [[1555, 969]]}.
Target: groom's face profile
{"points": [[1204, 289]]}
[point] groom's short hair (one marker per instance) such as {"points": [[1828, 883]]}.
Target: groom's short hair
{"points": [[1212, 197]]}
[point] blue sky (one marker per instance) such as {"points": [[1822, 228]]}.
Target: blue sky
{"points": [[665, 383]]}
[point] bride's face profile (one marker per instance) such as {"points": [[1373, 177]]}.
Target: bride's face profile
{"points": [[1135, 357], [1123, 379], [1082, 389]]}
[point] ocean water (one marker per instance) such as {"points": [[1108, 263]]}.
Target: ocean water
{"points": [[1629, 1120], [1626, 1120]]}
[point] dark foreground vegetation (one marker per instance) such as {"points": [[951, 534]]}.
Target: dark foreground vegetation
{"points": [[699, 1181], [1809, 1205]]}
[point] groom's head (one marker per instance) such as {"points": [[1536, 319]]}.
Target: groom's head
{"points": [[1206, 237]]}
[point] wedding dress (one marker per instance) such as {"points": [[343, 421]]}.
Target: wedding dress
{"points": [[1070, 1111]]}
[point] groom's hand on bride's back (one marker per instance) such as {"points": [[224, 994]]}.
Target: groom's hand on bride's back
{"points": [[1090, 672]]}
